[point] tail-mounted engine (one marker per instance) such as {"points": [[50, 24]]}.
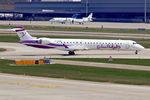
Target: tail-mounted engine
{"points": [[43, 41]]}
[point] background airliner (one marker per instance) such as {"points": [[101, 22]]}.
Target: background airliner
{"points": [[84, 19], [72, 45], [64, 20]]}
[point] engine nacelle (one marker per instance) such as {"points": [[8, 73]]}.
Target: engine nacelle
{"points": [[43, 41]]}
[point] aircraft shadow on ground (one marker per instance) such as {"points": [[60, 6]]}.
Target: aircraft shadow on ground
{"points": [[77, 54]]}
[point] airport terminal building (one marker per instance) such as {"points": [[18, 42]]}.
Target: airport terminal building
{"points": [[103, 10]]}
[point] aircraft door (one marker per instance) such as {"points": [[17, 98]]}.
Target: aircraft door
{"points": [[127, 46]]}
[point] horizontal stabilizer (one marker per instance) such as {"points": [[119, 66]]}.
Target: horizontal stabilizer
{"points": [[17, 29]]}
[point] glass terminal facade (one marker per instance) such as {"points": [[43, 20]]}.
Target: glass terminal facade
{"points": [[103, 10]]}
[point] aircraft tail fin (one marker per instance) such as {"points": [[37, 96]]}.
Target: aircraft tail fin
{"points": [[90, 16], [75, 16], [23, 34]]}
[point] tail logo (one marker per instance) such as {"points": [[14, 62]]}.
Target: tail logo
{"points": [[23, 34]]}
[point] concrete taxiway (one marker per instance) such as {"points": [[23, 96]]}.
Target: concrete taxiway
{"points": [[65, 33], [92, 24], [96, 34], [37, 88]]}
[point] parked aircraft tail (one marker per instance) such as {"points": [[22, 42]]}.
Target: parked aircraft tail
{"points": [[23, 34], [90, 17], [75, 16]]}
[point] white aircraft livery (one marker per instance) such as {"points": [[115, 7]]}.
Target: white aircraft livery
{"points": [[84, 19], [64, 20], [72, 45]]}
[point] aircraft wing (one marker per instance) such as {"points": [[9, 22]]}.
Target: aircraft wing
{"points": [[75, 47]]}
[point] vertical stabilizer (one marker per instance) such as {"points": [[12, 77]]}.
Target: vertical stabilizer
{"points": [[23, 34], [75, 16], [90, 17]]}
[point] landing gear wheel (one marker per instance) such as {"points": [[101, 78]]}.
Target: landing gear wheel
{"points": [[136, 52], [71, 53]]}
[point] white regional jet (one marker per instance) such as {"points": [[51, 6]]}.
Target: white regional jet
{"points": [[72, 45], [84, 19], [64, 20]]}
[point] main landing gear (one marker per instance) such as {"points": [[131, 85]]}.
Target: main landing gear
{"points": [[71, 53], [136, 52]]}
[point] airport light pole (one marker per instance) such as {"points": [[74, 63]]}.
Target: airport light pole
{"points": [[86, 7], [145, 11]]}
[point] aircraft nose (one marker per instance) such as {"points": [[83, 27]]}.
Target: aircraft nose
{"points": [[139, 47]]}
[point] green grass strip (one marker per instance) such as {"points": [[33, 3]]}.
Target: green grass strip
{"points": [[78, 73], [142, 62], [1, 49], [9, 38]]}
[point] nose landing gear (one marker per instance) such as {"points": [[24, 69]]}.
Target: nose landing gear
{"points": [[136, 52]]}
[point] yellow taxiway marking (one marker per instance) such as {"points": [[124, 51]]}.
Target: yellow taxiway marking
{"points": [[45, 86], [14, 83]]}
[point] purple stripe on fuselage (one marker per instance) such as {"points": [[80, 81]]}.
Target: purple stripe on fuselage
{"points": [[29, 41], [34, 43], [39, 46]]}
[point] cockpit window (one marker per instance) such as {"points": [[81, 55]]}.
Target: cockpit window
{"points": [[134, 43]]}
